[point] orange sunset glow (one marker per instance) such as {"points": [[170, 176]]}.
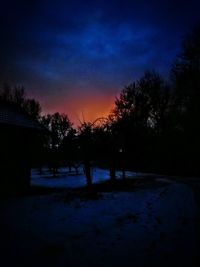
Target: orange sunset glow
{"points": [[85, 108], [99, 133]]}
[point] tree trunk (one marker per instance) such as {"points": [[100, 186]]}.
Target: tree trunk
{"points": [[123, 174], [88, 173]]}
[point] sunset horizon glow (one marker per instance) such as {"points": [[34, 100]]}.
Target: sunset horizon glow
{"points": [[76, 56], [83, 109]]}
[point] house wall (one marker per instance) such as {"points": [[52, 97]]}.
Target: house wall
{"points": [[16, 148]]}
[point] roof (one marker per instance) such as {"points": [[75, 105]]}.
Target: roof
{"points": [[11, 114]]}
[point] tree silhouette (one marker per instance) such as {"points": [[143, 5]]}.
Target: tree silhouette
{"points": [[17, 96], [70, 150], [156, 95], [86, 145], [139, 121], [186, 77], [59, 126], [105, 145], [186, 82]]}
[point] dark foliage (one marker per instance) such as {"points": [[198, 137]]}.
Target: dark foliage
{"points": [[154, 125], [17, 96]]}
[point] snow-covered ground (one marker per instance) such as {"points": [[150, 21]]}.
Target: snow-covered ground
{"points": [[64, 179], [153, 226]]}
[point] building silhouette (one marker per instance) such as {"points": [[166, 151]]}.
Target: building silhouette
{"points": [[19, 135]]}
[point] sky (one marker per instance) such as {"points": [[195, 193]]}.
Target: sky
{"points": [[76, 56]]}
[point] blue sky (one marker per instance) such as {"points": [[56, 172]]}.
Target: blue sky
{"points": [[75, 56]]}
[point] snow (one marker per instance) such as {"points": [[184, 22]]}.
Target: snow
{"points": [[64, 179], [147, 227]]}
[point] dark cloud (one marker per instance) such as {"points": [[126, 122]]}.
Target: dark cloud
{"points": [[89, 45]]}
